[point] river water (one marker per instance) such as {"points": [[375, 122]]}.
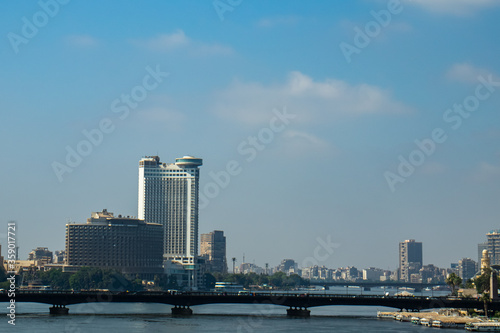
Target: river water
{"points": [[148, 317]]}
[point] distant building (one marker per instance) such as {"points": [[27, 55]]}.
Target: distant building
{"points": [[494, 246], [213, 250], [288, 266], [372, 274], [246, 268], [348, 273], [317, 273], [410, 259], [388, 275], [480, 248], [467, 269], [41, 254], [59, 257], [430, 273], [126, 244]]}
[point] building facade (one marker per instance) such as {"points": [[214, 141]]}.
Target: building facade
{"points": [[168, 195], [410, 259], [288, 266], [480, 248], [213, 250], [372, 274], [493, 240], [41, 254], [467, 269], [126, 244]]}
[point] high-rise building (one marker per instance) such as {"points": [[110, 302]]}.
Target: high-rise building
{"points": [[410, 259], [467, 269], [213, 249], [126, 244], [168, 195], [494, 246]]}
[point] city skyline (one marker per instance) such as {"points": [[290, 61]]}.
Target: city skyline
{"points": [[168, 171], [355, 124]]}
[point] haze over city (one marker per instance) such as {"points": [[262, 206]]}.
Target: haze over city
{"points": [[363, 123]]}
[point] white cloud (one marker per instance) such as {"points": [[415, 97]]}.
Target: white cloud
{"points": [[464, 72], [179, 41], [454, 7], [311, 101], [166, 42], [82, 41]]}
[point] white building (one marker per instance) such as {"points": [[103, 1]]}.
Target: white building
{"points": [[168, 195]]}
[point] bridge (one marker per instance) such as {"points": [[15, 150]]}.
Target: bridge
{"points": [[297, 304], [371, 284]]}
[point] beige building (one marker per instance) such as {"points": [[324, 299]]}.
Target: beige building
{"points": [[213, 250]]}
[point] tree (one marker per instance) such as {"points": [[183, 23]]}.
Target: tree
{"points": [[482, 282], [55, 278], [485, 297], [97, 278], [453, 281]]}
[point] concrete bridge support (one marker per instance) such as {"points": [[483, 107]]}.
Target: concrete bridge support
{"points": [[59, 310], [182, 310], [298, 312]]}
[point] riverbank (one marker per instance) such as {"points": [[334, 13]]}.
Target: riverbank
{"points": [[446, 318]]}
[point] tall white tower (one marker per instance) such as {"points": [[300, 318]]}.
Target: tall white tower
{"points": [[168, 195]]}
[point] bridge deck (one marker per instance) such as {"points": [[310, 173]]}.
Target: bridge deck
{"points": [[283, 299]]}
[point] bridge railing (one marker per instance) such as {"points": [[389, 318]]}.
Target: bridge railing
{"points": [[225, 294]]}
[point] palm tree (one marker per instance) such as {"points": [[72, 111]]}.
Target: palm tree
{"points": [[485, 297], [453, 281]]}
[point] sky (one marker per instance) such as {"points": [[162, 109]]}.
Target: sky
{"points": [[330, 131]]}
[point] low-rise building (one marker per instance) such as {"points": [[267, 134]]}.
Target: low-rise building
{"points": [[41, 254], [372, 274], [126, 244]]}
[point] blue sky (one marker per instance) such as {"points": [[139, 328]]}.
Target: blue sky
{"points": [[224, 71]]}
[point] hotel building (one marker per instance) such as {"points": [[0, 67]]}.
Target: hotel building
{"points": [[126, 244], [168, 195]]}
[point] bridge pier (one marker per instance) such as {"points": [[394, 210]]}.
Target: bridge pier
{"points": [[298, 312], [59, 310], [182, 311]]}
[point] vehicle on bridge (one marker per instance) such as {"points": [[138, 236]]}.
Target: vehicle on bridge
{"points": [[227, 287]]}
